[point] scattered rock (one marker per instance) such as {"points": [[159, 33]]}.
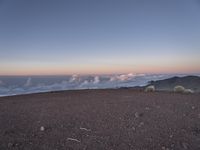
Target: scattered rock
{"points": [[158, 107], [184, 145], [172, 145], [85, 129], [137, 115], [72, 139], [141, 124], [10, 145], [196, 131], [42, 128], [163, 148], [133, 128]]}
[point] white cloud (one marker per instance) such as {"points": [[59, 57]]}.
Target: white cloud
{"points": [[122, 77], [113, 78], [28, 82], [96, 80], [80, 82], [74, 78], [84, 84], [64, 82]]}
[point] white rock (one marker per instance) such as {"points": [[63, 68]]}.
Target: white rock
{"points": [[179, 89], [185, 145], [42, 128], [137, 115], [141, 124], [150, 88], [188, 91]]}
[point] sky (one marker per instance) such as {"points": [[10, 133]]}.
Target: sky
{"points": [[57, 37]]}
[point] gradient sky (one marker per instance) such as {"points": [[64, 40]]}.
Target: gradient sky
{"points": [[99, 36]]}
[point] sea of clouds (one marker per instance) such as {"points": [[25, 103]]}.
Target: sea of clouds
{"points": [[15, 85]]}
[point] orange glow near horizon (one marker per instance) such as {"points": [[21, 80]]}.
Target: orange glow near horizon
{"points": [[99, 70]]}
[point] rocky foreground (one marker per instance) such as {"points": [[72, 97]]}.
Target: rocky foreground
{"points": [[121, 119]]}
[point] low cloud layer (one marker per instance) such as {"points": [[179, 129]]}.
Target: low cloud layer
{"points": [[43, 84]]}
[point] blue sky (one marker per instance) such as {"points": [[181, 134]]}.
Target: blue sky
{"points": [[92, 36]]}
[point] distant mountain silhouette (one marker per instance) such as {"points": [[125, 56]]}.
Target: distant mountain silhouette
{"points": [[189, 82]]}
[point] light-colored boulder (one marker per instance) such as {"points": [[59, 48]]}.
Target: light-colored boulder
{"points": [[188, 91], [150, 88], [179, 89]]}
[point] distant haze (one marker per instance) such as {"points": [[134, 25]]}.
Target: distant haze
{"points": [[58, 37]]}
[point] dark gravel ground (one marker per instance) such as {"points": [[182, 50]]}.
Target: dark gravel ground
{"points": [[121, 119]]}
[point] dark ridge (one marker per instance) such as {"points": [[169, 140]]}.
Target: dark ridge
{"points": [[189, 82]]}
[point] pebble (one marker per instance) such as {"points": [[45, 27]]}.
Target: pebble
{"points": [[72, 139], [193, 107], [164, 148], [141, 124], [10, 145], [185, 145], [85, 129], [42, 128], [137, 115], [133, 128], [13, 145], [158, 107]]}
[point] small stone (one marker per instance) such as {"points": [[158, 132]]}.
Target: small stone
{"points": [[158, 107], [133, 128], [42, 128], [10, 144], [185, 145], [137, 115], [171, 136], [147, 108], [163, 148], [193, 107], [141, 124]]}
